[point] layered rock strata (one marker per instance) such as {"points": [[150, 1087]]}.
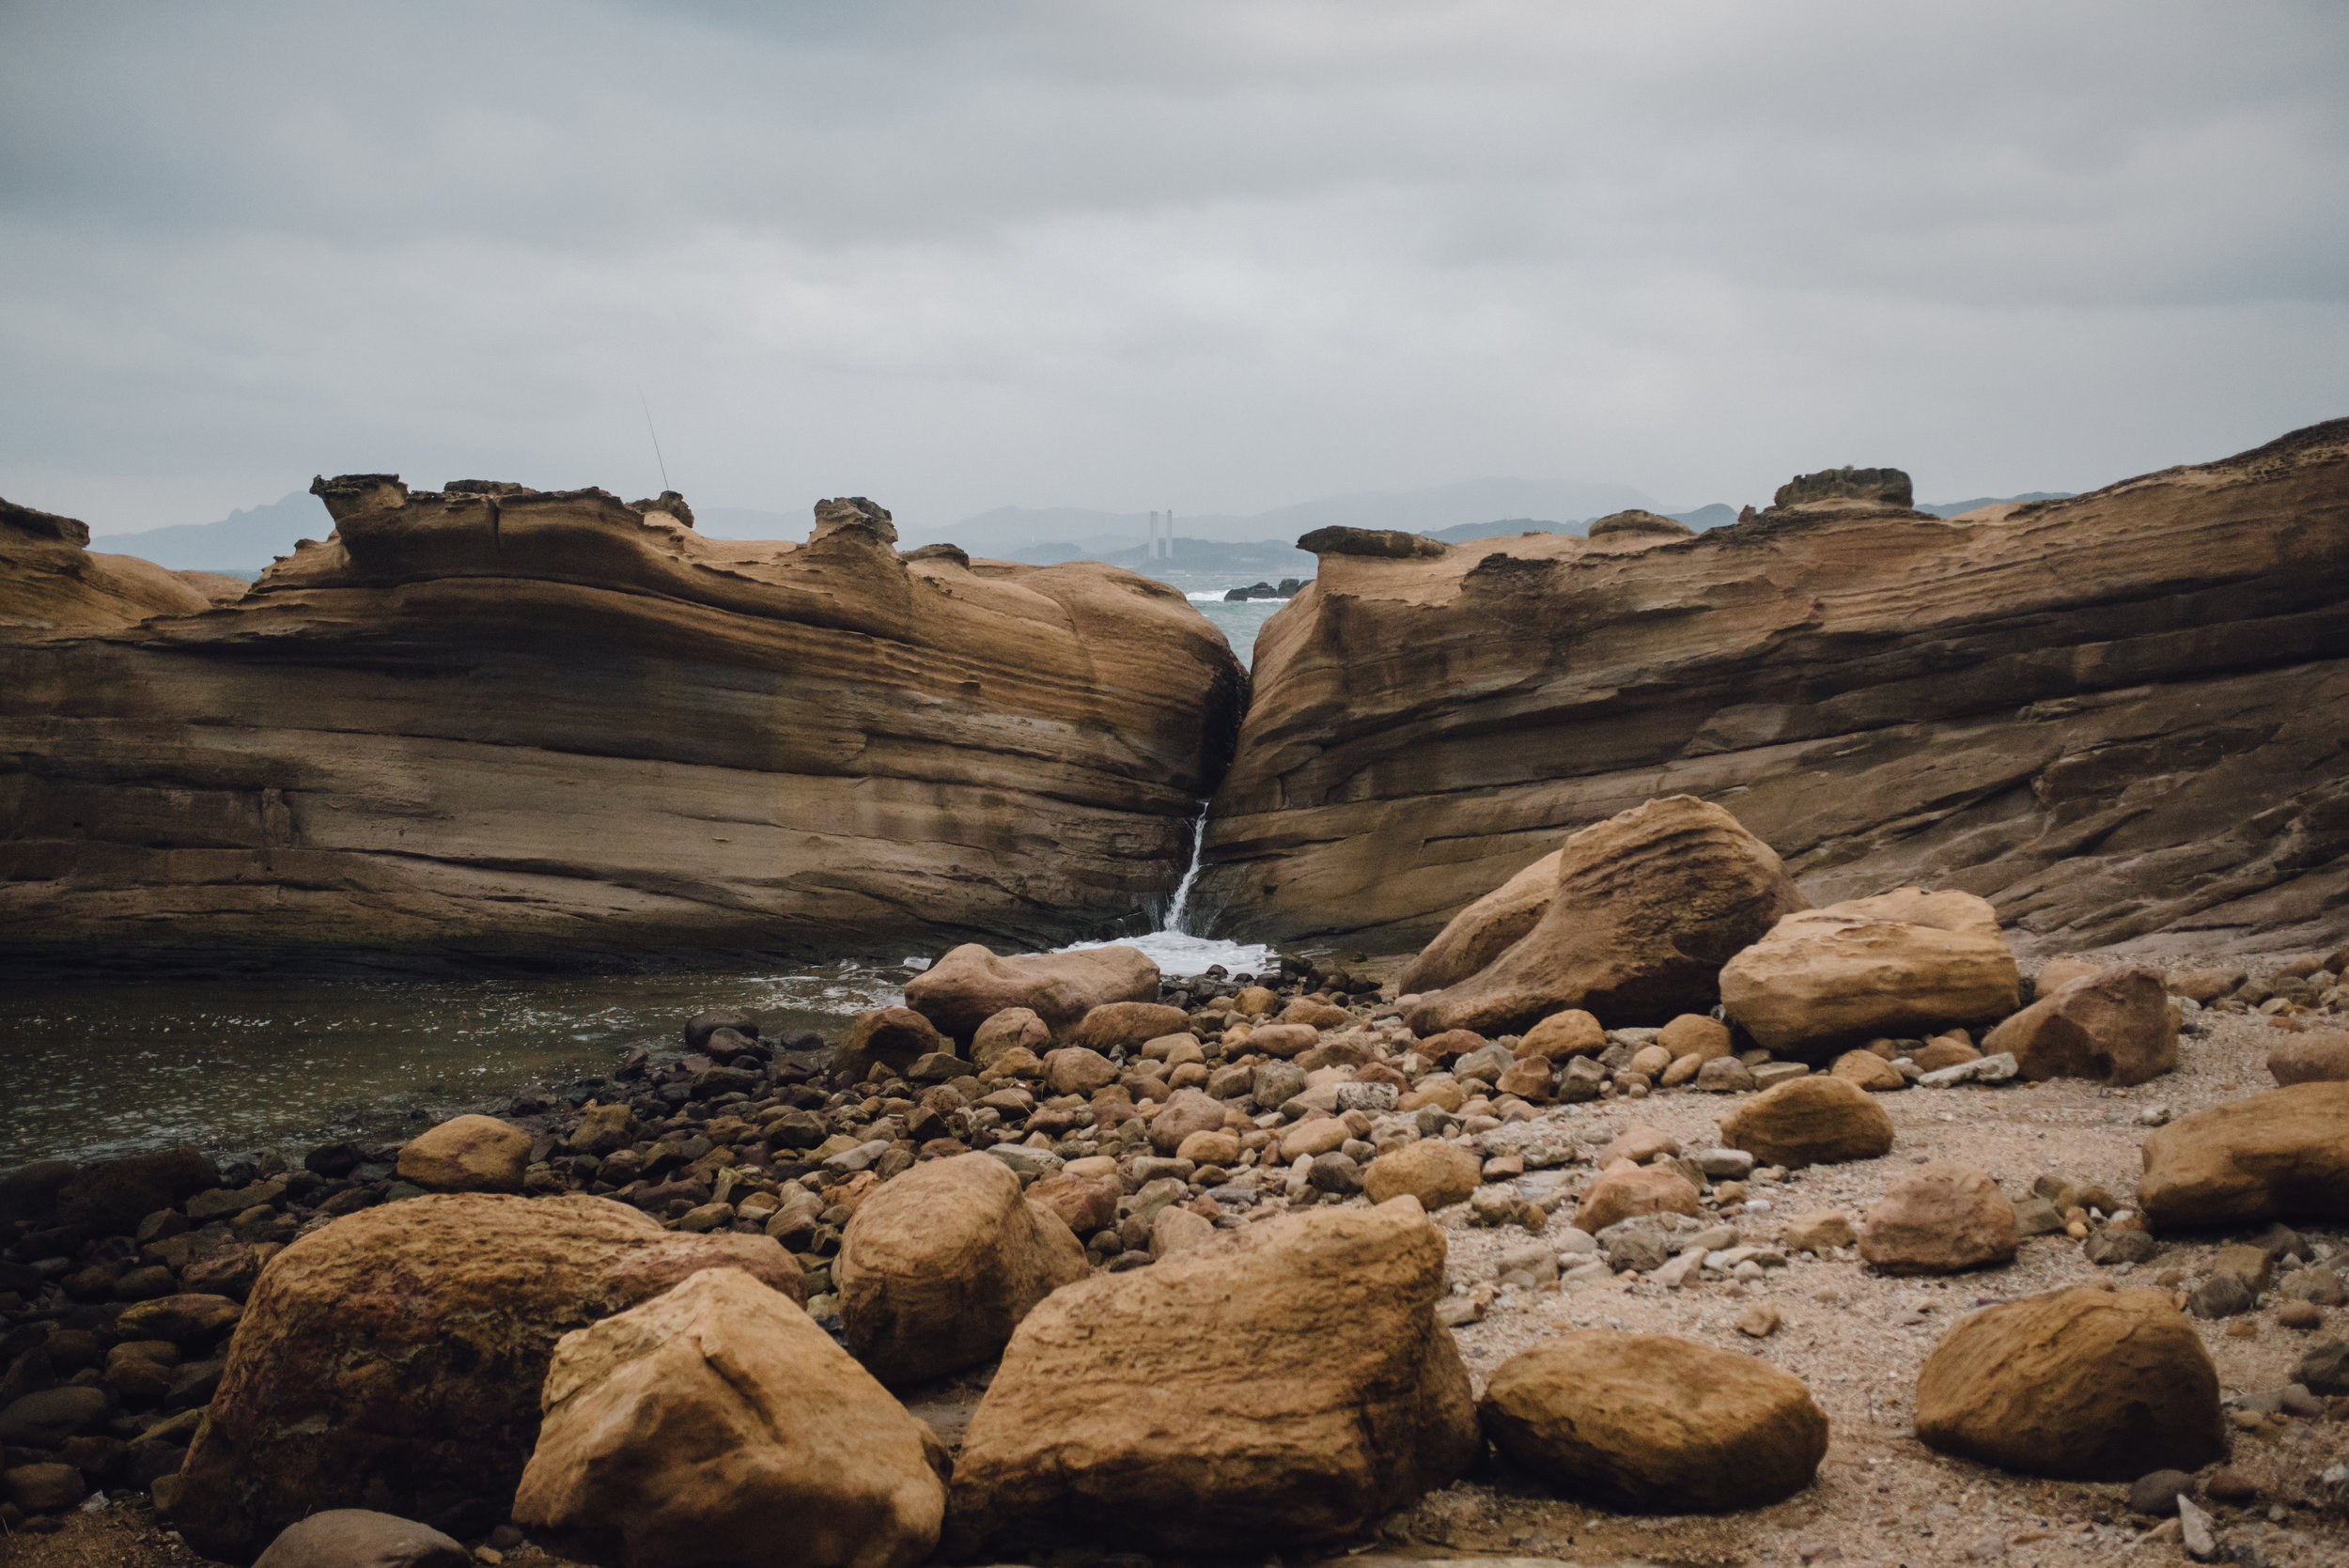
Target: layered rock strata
{"points": [[2116, 717], [490, 722]]}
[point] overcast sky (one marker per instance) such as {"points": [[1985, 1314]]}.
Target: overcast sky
{"points": [[1213, 257]]}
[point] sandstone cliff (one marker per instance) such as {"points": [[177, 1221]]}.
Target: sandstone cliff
{"points": [[2121, 718], [499, 723]]}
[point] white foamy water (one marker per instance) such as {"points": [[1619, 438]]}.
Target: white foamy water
{"points": [[1179, 953]]}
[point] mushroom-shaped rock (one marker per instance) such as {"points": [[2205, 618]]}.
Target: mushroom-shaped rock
{"points": [[1817, 1120], [1636, 525], [971, 984], [2112, 1025], [1940, 1219], [1203, 1404], [1649, 904], [2082, 1384], [1438, 1174], [1905, 961], [1652, 1423], [396, 1356], [2279, 1155], [362, 1538], [717, 1424], [469, 1154], [938, 1267]]}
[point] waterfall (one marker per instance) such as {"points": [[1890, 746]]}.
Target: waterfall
{"points": [[1191, 874]]}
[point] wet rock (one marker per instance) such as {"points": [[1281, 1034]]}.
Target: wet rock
{"points": [[2269, 1156], [686, 1429], [469, 1154], [1825, 979], [400, 1351], [361, 1538], [1648, 906], [938, 1267], [2113, 1026], [1809, 1121], [1252, 1427], [2080, 1384], [1940, 1219], [971, 984], [1650, 1423]]}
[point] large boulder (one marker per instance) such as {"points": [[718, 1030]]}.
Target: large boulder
{"points": [[1896, 964], [1817, 1120], [2113, 1025], [716, 1424], [1438, 1174], [972, 984], [1206, 1405], [1483, 931], [1649, 904], [1654, 1424], [469, 1153], [1940, 1219], [111, 1197], [362, 1538], [2082, 1384], [2279, 1155], [937, 1267], [2310, 1058], [392, 1359]]}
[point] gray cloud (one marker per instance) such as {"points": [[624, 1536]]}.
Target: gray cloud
{"points": [[1220, 256]]}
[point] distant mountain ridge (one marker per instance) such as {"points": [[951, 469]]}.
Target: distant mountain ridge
{"points": [[243, 541]]}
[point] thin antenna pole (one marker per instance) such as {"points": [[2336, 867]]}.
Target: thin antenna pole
{"points": [[655, 439]]}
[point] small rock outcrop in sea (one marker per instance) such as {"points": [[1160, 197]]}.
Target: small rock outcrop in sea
{"points": [[565, 728], [1884, 697]]}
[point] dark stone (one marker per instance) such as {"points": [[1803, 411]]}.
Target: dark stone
{"points": [[1383, 543], [29, 1192], [111, 1197], [2325, 1368], [2220, 1296], [703, 1025], [2156, 1495], [46, 1420], [1888, 485], [2108, 1247], [333, 1160]]}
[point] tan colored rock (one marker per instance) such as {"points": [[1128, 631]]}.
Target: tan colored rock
{"points": [[1438, 1174], [1528, 1078], [2202, 985], [1254, 1002], [1213, 1146], [1284, 1040], [1320, 1015], [972, 984], [1649, 904], [1255, 1428], [50, 580], [2113, 1026], [1639, 1143], [1654, 1424], [1127, 1025], [1186, 1111], [2310, 1058], [937, 1267], [1571, 1033], [1650, 1061], [1905, 961], [1084, 1203], [1014, 1028], [1626, 1191], [2082, 1384], [1820, 1231], [1683, 1070], [1696, 1035], [469, 1153], [603, 1129], [2058, 972], [1484, 931], [1451, 1044], [362, 1538], [1818, 1119], [1940, 1219], [1176, 1229], [1314, 1135], [1077, 1070], [1936, 1054], [1869, 1071], [2280, 1155], [684, 1430], [886, 1041], [395, 1356]]}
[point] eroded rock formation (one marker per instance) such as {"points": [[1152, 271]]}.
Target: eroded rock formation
{"points": [[488, 721], [2118, 717]]}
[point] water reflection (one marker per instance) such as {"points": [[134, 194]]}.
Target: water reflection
{"points": [[88, 1070]]}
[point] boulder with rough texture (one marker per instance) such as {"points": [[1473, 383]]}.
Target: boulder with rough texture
{"points": [[2275, 1156], [716, 1424], [937, 1267], [469, 1153], [1253, 1427], [568, 727], [1648, 906], [2112, 1025], [362, 1538], [2082, 1384], [1895, 964], [1882, 696], [1940, 1219], [2310, 1058], [972, 984], [1654, 1424], [1438, 1174], [392, 1359], [1626, 1191], [1818, 1119]]}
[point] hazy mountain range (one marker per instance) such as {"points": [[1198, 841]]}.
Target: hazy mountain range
{"points": [[1257, 544]]}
